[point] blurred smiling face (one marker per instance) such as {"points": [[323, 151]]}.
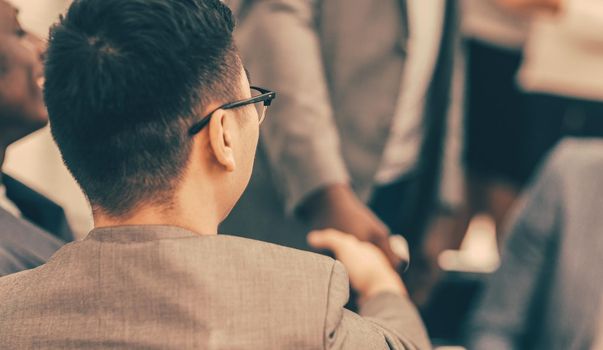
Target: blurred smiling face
{"points": [[22, 108]]}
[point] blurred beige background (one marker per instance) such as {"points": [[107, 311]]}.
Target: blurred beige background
{"points": [[36, 160]]}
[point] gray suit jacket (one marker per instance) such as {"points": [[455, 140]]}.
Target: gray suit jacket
{"points": [[159, 287], [30, 241], [547, 292], [337, 67]]}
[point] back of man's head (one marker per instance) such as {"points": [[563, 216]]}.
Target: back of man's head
{"points": [[125, 79]]}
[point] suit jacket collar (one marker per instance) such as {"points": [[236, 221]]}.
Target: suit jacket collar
{"points": [[140, 233]]}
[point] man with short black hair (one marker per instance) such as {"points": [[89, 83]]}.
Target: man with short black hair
{"points": [[32, 227], [153, 114]]}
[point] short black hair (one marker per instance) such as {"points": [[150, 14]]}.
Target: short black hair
{"points": [[125, 79]]}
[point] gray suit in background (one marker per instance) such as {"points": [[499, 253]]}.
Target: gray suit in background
{"points": [[337, 67], [30, 240], [547, 292], [161, 287]]}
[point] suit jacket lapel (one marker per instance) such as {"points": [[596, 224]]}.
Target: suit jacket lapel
{"points": [[423, 197], [38, 209]]}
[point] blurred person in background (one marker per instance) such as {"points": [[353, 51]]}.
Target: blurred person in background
{"points": [[562, 72], [155, 118], [492, 123], [535, 75], [495, 120], [356, 139], [32, 227], [548, 291]]}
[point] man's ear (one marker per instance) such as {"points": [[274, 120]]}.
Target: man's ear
{"points": [[220, 140]]}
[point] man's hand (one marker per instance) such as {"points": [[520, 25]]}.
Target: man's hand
{"points": [[529, 7], [339, 208], [369, 270]]}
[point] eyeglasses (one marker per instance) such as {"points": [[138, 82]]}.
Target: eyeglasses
{"points": [[261, 99]]}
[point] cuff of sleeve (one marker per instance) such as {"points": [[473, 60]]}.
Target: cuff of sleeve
{"points": [[385, 301], [490, 342], [397, 314], [311, 178]]}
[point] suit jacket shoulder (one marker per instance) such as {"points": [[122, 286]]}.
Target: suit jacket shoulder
{"points": [[125, 286], [197, 292]]}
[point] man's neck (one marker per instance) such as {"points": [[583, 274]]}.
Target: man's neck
{"points": [[198, 204], [202, 222]]}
